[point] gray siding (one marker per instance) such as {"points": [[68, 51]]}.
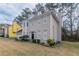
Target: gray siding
{"points": [[24, 27], [40, 27], [44, 27]]}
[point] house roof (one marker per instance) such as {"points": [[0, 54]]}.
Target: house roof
{"points": [[5, 25], [54, 15], [19, 30]]}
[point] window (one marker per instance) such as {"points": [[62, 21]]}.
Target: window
{"points": [[38, 30], [38, 21], [45, 30], [44, 20], [27, 24], [45, 35], [24, 24]]}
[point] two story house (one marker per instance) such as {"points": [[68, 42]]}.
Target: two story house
{"points": [[43, 27], [13, 28], [1, 32]]}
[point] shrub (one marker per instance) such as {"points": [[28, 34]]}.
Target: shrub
{"points": [[51, 42]]}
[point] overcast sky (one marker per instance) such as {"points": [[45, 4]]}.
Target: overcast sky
{"points": [[9, 11]]}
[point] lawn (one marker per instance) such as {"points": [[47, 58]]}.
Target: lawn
{"points": [[17, 48]]}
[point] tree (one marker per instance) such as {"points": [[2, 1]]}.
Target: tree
{"points": [[19, 19], [40, 8], [77, 31], [24, 15], [26, 12], [1, 25], [70, 10], [51, 6], [35, 11], [67, 12]]}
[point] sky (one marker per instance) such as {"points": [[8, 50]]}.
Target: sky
{"points": [[8, 11]]}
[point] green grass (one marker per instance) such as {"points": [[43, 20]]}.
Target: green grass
{"points": [[74, 45], [18, 48]]}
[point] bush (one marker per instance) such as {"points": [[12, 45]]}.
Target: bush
{"points": [[51, 42]]}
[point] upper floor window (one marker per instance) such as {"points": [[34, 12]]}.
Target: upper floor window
{"points": [[45, 30], [24, 24], [38, 21], [44, 21]]}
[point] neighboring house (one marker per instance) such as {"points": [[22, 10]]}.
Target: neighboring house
{"points": [[12, 29], [5, 26], [4, 29], [1, 32], [77, 31], [44, 26]]}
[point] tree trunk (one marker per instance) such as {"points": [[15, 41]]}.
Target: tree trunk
{"points": [[71, 24]]}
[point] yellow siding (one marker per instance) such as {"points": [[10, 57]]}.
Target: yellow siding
{"points": [[13, 29], [11, 33], [16, 27]]}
